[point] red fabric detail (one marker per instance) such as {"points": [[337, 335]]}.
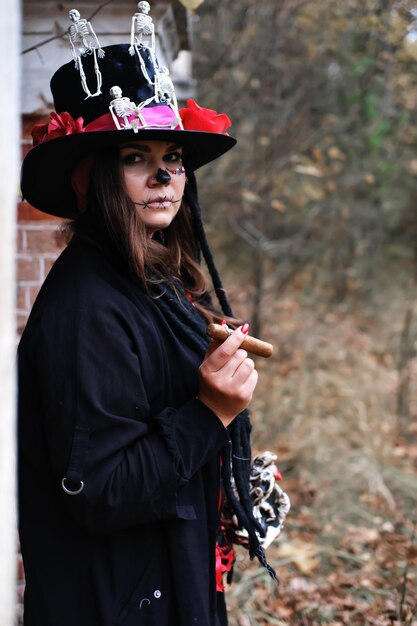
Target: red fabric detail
{"points": [[225, 557], [195, 117], [190, 298], [155, 117], [58, 126], [63, 124], [104, 122], [277, 473]]}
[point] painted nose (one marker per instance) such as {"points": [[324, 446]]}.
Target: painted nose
{"points": [[162, 176]]}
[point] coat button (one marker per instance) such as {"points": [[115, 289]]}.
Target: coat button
{"points": [[157, 593]]}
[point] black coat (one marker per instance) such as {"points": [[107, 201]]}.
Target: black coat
{"points": [[107, 395]]}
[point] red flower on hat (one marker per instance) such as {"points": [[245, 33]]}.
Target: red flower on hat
{"points": [[195, 117], [58, 126]]}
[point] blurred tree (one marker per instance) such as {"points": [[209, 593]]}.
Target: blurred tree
{"points": [[323, 101]]}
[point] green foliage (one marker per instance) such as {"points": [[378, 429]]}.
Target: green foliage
{"points": [[376, 138], [371, 109], [385, 168], [362, 65]]}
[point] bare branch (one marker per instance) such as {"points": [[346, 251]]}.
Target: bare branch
{"points": [[62, 34], [241, 232]]}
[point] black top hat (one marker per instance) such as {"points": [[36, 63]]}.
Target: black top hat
{"points": [[133, 98]]}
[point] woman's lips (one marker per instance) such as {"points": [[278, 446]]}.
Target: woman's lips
{"points": [[158, 203], [161, 202]]}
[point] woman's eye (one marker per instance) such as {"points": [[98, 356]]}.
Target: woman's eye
{"points": [[130, 158], [173, 157]]}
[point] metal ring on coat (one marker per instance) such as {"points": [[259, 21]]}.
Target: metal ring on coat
{"points": [[72, 493]]}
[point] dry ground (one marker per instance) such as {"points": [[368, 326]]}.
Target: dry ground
{"points": [[326, 403]]}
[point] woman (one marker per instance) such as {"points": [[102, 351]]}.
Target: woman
{"points": [[125, 410]]}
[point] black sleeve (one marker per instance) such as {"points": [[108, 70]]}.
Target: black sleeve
{"points": [[132, 471]]}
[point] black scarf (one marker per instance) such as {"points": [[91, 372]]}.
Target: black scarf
{"points": [[236, 456]]}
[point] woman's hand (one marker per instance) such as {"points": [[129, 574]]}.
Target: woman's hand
{"points": [[227, 377]]}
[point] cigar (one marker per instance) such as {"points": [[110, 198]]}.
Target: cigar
{"points": [[251, 344]]}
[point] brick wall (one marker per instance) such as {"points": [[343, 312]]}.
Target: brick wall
{"points": [[20, 588], [39, 241]]}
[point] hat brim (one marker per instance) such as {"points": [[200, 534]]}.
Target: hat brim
{"points": [[47, 168]]}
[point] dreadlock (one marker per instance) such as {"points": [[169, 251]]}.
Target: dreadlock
{"points": [[191, 198], [236, 456]]}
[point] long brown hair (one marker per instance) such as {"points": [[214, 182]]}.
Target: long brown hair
{"points": [[169, 255]]}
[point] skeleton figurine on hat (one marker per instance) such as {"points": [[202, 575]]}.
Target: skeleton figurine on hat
{"points": [[164, 87], [84, 41], [142, 35], [121, 108]]}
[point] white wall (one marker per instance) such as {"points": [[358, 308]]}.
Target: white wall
{"points": [[43, 19], [9, 168]]}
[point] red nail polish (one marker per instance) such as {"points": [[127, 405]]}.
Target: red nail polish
{"points": [[245, 329], [223, 323]]}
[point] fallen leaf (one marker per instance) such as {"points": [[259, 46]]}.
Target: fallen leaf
{"points": [[331, 186], [369, 178], [412, 166], [317, 155], [278, 206], [309, 170], [335, 153], [250, 196], [410, 46], [303, 555]]}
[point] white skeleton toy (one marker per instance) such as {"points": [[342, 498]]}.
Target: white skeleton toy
{"points": [[121, 107], [270, 503], [142, 36], [84, 41], [164, 88]]}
